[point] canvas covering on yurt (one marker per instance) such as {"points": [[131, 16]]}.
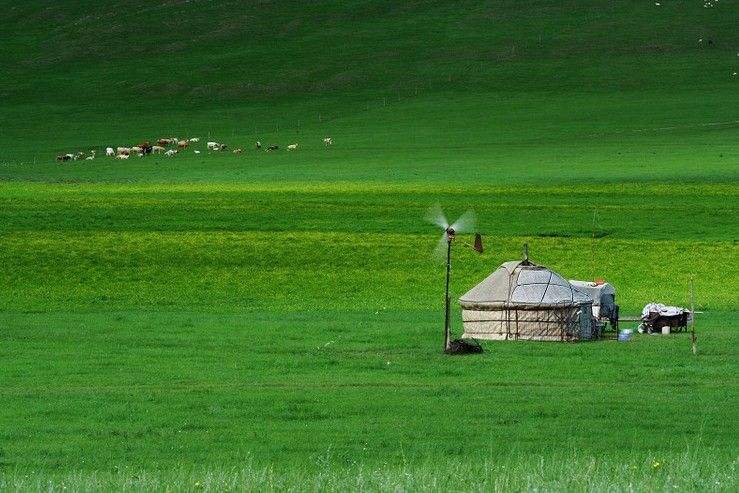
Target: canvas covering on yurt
{"points": [[525, 301], [603, 295]]}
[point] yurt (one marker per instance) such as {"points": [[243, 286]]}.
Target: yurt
{"points": [[525, 301]]}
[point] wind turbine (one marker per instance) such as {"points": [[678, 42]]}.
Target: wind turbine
{"points": [[465, 224]]}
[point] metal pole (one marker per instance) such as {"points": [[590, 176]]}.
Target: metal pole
{"points": [[694, 346], [446, 303], [592, 248]]}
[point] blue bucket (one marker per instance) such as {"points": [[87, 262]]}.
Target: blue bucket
{"points": [[624, 335]]}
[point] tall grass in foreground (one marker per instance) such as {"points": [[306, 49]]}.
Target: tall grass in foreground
{"points": [[689, 471]]}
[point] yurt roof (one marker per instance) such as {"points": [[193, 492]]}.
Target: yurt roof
{"points": [[522, 283]]}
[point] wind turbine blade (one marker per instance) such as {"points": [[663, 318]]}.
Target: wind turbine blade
{"points": [[436, 216], [439, 254], [466, 223]]}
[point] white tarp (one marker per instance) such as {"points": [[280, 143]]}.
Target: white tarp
{"points": [[664, 311], [594, 290]]}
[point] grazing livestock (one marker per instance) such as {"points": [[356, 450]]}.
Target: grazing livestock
{"points": [[183, 144], [157, 149], [170, 152], [90, 157], [292, 147], [197, 152], [216, 146], [110, 152], [328, 141], [136, 150], [123, 150], [238, 150], [122, 156], [165, 142], [273, 147], [195, 139], [258, 145], [146, 147], [64, 157]]}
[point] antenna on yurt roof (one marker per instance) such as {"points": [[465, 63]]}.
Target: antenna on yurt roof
{"points": [[525, 260]]}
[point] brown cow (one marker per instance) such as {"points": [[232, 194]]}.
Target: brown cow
{"points": [[146, 147]]}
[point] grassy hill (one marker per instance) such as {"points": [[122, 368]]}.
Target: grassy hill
{"points": [[272, 320], [377, 74]]}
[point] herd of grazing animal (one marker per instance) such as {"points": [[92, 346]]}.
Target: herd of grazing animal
{"points": [[169, 147], [76, 156]]}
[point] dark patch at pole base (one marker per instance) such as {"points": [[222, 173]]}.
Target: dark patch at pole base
{"points": [[460, 346]]}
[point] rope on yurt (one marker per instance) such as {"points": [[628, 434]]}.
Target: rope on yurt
{"points": [[508, 307]]}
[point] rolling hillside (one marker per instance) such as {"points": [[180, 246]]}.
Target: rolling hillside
{"points": [[382, 76]]}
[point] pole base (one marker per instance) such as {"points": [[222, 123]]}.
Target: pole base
{"points": [[460, 346]]}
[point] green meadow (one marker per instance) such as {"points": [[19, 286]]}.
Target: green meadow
{"points": [[273, 321]]}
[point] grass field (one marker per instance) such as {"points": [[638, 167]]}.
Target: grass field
{"points": [[272, 321]]}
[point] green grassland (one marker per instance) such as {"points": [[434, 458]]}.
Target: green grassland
{"points": [[272, 321]]}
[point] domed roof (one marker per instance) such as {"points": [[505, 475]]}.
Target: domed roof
{"points": [[523, 283]]}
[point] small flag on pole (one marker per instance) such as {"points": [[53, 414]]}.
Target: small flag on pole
{"points": [[478, 243]]}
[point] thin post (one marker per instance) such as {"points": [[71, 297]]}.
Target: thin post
{"points": [[694, 345], [446, 298], [592, 247]]}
